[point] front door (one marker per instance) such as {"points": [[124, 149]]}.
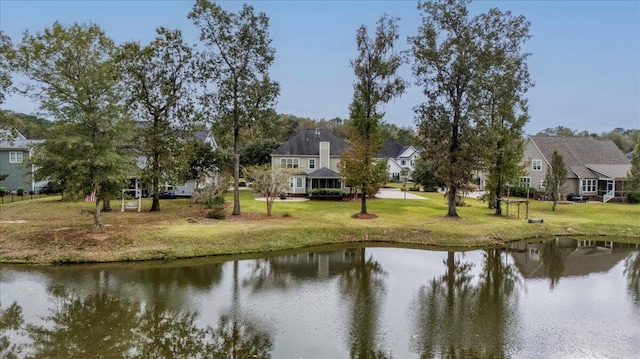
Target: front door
{"points": [[297, 184], [610, 186]]}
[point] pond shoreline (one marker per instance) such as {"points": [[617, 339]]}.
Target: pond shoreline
{"points": [[50, 231]]}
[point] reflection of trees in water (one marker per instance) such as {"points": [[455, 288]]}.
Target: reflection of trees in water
{"points": [[84, 327], [632, 271], [364, 286], [266, 274], [239, 337], [553, 258], [10, 319], [108, 324], [457, 319]]}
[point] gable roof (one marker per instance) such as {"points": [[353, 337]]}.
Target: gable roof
{"points": [[307, 143], [393, 150], [324, 173], [580, 154]]}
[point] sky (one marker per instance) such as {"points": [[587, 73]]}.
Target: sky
{"points": [[585, 58]]}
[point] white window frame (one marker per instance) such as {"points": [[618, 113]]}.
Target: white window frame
{"points": [[536, 165], [589, 185], [543, 184], [290, 163], [15, 157], [312, 163], [524, 182]]}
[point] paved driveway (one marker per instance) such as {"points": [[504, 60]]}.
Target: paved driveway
{"points": [[396, 193]]}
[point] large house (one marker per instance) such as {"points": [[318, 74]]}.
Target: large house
{"points": [[15, 149], [401, 160], [314, 155], [596, 169]]}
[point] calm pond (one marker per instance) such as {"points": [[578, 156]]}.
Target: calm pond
{"points": [[557, 299]]}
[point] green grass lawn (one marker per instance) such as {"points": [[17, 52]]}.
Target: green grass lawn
{"points": [[48, 230]]}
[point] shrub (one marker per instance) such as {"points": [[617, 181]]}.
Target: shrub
{"points": [[633, 197], [521, 191], [20, 191], [327, 192], [3, 191], [214, 201], [216, 212]]}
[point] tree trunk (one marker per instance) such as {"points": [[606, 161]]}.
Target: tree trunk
{"points": [[155, 205], [236, 173], [269, 205], [363, 201], [97, 218], [106, 205], [451, 201]]}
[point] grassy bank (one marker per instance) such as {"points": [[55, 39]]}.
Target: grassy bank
{"points": [[51, 231]]}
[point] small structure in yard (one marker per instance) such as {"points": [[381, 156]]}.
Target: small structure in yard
{"points": [[137, 194], [518, 202]]}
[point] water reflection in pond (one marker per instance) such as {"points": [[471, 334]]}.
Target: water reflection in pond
{"points": [[560, 298]]}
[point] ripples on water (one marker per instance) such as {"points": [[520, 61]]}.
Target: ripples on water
{"points": [[556, 299]]}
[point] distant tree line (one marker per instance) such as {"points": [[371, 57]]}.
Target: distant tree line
{"points": [[625, 139]]}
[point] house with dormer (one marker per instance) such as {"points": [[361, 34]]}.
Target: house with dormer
{"points": [[314, 156], [596, 169], [401, 160]]}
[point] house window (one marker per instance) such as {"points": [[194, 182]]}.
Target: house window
{"points": [[289, 162], [543, 184], [524, 182], [589, 185], [312, 163], [536, 165], [402, 162], [15, 157]]}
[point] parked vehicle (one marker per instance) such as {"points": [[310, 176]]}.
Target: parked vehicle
{"points": [[576, 198]]}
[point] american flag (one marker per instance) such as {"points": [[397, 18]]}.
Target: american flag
{"points": [[91, 197]]}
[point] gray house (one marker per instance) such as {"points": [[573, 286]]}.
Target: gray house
{"points": [[315, 156], [596, 169], [14, 154]]}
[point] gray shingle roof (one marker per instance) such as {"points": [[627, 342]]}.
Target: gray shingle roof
{"points": [[307, 143], [580, 152], [324, 173], [18, 144]]}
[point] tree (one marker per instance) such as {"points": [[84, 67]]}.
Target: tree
{"points": [[258, 152], [234, 71], [455, 63], [158, 77], [269, 182], [503, 87], [377, 83], [425, 174], [556, 178], [75, 78], [633, 184], [6, 57]]}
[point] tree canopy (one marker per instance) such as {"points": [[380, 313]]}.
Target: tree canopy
{"points": [[377, 83], [234, 70], [455, 63], [159, 94], [76, 81]]}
